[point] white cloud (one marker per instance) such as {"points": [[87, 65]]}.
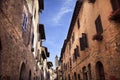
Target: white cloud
{"points": [[66, 8]]}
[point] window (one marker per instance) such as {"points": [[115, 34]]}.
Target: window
{"points": [[98, 24], [32, 42], [77, 51], [89, 72], [91, 1], [115, 4], [85, 76], [35, 14], [73, 57], [69, 77], [79, 77], [69, 45], [0, 45], [73, 38], [70, 63], [24, 26], [85, 41], [75, 76], [78, 23], [81, 44]]}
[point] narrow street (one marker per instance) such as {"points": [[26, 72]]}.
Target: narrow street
{"points": [[59, 39]]}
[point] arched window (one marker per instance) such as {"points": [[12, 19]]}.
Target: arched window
{"points": [[85, 76], [30, 76], [89, 71], [69, 77], [75, 76], [79, 77], [100, 71], [22, 72]]}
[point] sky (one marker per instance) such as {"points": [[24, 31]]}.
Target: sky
{"points": [[56, 18]]}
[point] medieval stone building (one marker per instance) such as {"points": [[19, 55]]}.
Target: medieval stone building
{"points": [[91, 50], [19, 20]]}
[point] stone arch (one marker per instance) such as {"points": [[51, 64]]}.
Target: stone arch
{"points": [[22, 71], [100, 71]]}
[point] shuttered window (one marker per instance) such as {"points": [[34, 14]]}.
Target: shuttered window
{"points": [[81, 44], [85, 41], [98, 24], [78, 23], [115, 4], [77, 51]]}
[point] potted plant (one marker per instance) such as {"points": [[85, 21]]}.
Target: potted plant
{"points": [[98, 37]]}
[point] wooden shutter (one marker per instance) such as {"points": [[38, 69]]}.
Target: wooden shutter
{"points": [[115, 4], [78, 23], [77, 51], [85, 41], [98, 24], [81, 44]]}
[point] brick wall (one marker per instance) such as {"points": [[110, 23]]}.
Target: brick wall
{"points": [[106, 51], [15, 41]]}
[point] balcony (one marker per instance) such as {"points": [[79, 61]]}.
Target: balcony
{"points": [[98, 37], [115, 16]]}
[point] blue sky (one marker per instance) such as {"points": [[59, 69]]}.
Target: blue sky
{"points": [[56, 18]]}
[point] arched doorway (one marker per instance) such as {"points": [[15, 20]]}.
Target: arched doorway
{"points": [[89, 72], [79, 77], [30, 75], [85, 76], [75, 76], [100, 71], [22, 72]]}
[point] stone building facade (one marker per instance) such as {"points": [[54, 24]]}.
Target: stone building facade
{"points": [[18, 20], [91, 50]]}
